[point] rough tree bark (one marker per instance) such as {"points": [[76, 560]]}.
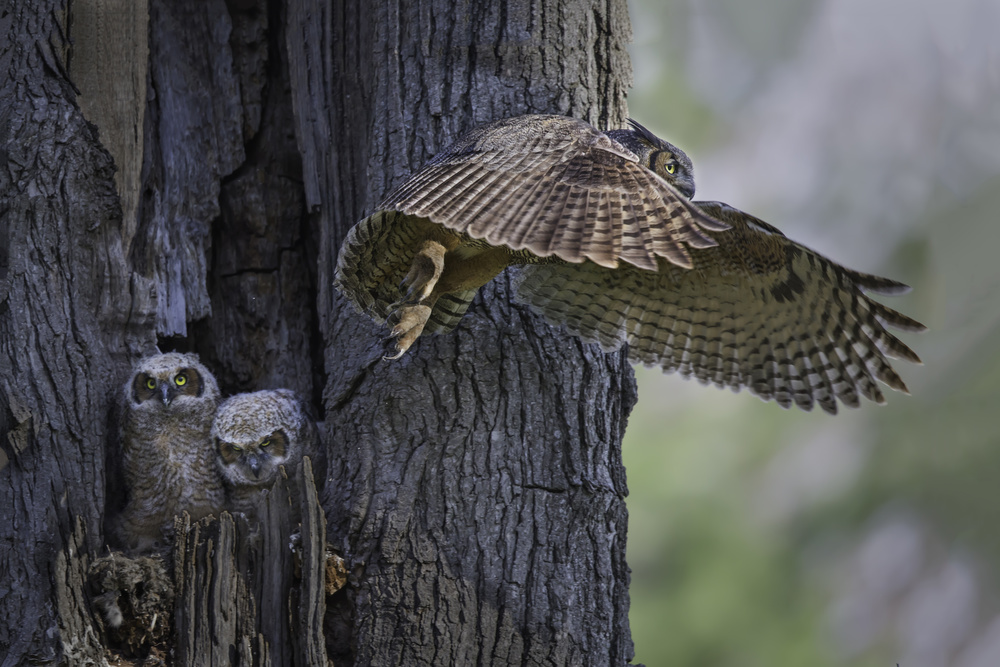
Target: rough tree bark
{"points": [[476, 487], [73, 316], [478, 480]]}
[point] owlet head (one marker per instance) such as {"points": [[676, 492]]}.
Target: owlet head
{"points": [[170, 382], [254, 434], [661, 157]]}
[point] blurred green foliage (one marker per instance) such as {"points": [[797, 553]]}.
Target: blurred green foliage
{"points": [[748, 523]]}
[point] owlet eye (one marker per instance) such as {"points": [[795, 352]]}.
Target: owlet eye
{"points": [[150, 383], [180, 380], [266, 443]]}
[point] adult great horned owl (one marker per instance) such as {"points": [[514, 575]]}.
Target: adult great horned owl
{"points": [[166, 419], [254, 434], [618, 253], [518, 191]]}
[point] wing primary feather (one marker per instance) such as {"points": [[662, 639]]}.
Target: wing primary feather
{"points": [[894, 318], [878, 284]]}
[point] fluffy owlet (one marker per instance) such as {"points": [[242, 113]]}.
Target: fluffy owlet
{"points": [[619, 254], [256, 433], [167, 453]]}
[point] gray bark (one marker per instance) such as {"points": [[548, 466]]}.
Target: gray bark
{"points": [[475, 488], [262, 332], [72, 317], [108, 60], [479, 478], [243, 597]]}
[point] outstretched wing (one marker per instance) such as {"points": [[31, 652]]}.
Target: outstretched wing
{"points": [[757, 311], [555, 186], [377, 254]]}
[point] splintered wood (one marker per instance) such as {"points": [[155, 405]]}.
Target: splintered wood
{"points": [[239, 600]]}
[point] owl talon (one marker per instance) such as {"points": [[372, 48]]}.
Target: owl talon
{"points": [[411, 293], [409, 325], [425, 270]]}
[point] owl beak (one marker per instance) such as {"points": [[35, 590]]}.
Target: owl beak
{"points": [[254, 464], [686, 190], [166, 393]]}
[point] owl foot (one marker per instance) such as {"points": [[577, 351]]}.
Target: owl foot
{"points": [[409, 325], [426, 269]]}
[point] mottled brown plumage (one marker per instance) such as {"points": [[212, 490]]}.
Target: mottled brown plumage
{"points": [[757, 311], [619, 254], [254, 434], [556, 187], [167, 455], [516, 191]]}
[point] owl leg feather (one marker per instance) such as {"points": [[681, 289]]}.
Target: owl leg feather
{"points": [[471, 270]]}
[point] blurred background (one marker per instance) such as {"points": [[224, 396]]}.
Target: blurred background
{"points": [[870, 131]]}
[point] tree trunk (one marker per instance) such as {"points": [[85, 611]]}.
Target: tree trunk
{"points": [[475, 487], [73, 316], [477, 481]]}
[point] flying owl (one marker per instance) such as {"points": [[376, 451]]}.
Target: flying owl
{"points": [[618, 253], [167, 456], [254, 434]]}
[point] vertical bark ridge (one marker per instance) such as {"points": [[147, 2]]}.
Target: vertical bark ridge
{"points": [[261, 282], [194, 139]]}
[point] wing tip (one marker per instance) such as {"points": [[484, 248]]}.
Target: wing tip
{"points": [[880, 285]]}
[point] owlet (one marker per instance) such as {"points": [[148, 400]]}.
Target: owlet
{"points": [[254, 434], [167, 453]]}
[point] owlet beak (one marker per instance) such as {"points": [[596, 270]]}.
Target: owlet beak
{"points": [[166, 393]]}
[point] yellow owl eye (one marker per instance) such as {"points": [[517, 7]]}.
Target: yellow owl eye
{"points": [[236, 448], [671, 167], [265, 443], [150, 383], [180, 380]]}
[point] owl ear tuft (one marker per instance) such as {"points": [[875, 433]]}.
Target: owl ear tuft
{"points": [[644, 133]]}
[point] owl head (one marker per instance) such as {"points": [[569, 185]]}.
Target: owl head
{"points": [[170, 383], [661, 157], [255, 433]]}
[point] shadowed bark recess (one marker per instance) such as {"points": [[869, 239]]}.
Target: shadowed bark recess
{"points": [[262, 332], [479, 477], [194, 138]]}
